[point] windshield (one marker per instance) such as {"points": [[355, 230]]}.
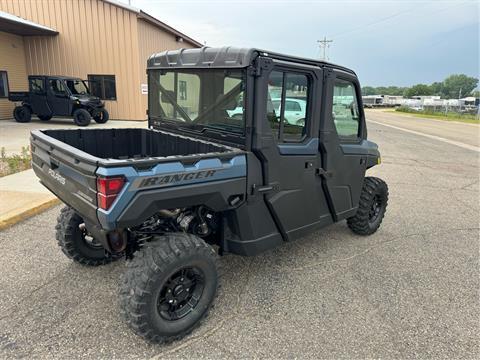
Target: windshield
{"points": [[198, 99], [77, 87]]}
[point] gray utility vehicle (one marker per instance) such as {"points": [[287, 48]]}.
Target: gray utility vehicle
{"points": [[203, 179], [50, 96]]}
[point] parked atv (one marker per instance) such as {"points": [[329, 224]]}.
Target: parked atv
{"points": [[210, 177], [50, 96]]}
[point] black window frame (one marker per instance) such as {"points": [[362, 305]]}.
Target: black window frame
{"points": [[279, 137], [345, 139], [102, 82], [6, 85]]}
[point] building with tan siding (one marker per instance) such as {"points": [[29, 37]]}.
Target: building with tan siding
{"points": [[104, 41]]}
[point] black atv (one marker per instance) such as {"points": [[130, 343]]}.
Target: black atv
{"points": [[265, 149], [50, 96]]}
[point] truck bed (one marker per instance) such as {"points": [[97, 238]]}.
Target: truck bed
{"points": [[68, 162], [18, 95], [112, 147]]}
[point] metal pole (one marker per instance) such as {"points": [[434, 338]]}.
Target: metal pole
{"points": [[323, 46]]}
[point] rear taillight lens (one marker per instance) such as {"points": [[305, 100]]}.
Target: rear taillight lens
{"points": [[108, 190]]}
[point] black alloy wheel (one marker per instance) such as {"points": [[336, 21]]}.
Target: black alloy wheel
{"points": [[181, 293]]}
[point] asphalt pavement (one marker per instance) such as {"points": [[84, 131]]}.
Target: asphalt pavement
{"points": [[409, 291]]}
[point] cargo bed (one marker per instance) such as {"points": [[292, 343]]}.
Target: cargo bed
{"points": [[114, 147], [69, 162]]}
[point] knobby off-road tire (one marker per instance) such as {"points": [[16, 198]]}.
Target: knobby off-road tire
{"points": [[169, 287], [102, 117], [371, 207], [44, 117], [22, 114], [82, 117], [73, 243]]}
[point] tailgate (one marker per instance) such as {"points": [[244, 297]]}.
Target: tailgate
{"points": [[67, 172]]}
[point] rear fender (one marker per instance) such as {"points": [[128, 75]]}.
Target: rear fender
{"points": [[367, 148]]}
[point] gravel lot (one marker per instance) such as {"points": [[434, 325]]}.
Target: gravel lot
{"points": [[410, 290]]}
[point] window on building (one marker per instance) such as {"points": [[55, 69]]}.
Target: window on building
{"points": [[345, 110], [3, 84], [287, 105], [36, 86], [182, 90], [103, 86]]}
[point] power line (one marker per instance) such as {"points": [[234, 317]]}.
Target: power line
{"points": [[397, 14], [323, 44]]}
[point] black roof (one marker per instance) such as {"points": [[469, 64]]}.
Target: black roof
{"points": [[224, 57], [57, 77]]}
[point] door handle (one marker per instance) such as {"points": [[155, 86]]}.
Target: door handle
{"points": [[323, 173]]}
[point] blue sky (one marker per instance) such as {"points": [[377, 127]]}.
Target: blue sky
{"points": [[386, 42]]}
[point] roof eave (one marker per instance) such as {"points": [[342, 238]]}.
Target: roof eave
{"points": [[19, 26], [143, 15]]}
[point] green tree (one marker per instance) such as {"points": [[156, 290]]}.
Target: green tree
{"points": [[418, 90], [437, 88], [368, 90], [458, 85], [475, 93]]}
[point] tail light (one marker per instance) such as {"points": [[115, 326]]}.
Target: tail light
{"points": [[108, 190]]}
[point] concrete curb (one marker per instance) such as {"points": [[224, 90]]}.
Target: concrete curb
{"points": [[6, 223]]}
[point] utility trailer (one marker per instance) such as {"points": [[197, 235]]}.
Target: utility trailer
{"points": [[220, 169]]}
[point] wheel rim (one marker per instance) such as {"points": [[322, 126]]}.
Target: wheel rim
{"points": [[21, 114], [181, 293], [375, 209]]}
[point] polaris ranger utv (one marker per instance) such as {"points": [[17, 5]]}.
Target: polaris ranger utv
{"points": [[50, 96], [220, 169]]}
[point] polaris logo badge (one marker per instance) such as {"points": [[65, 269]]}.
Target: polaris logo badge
{"points": [[155, 181], [56, 176]]}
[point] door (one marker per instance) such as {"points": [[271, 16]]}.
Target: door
{"points": [[38, 95], [289, 148], [58, 97], [342, 140]]}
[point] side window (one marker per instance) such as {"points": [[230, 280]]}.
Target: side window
{"points": [[345, 111], [56, 86], [3, 84], [287, 105], [235, 106], [36, 86]]}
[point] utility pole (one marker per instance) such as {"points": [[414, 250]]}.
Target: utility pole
{"points": [[323, 44]]}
